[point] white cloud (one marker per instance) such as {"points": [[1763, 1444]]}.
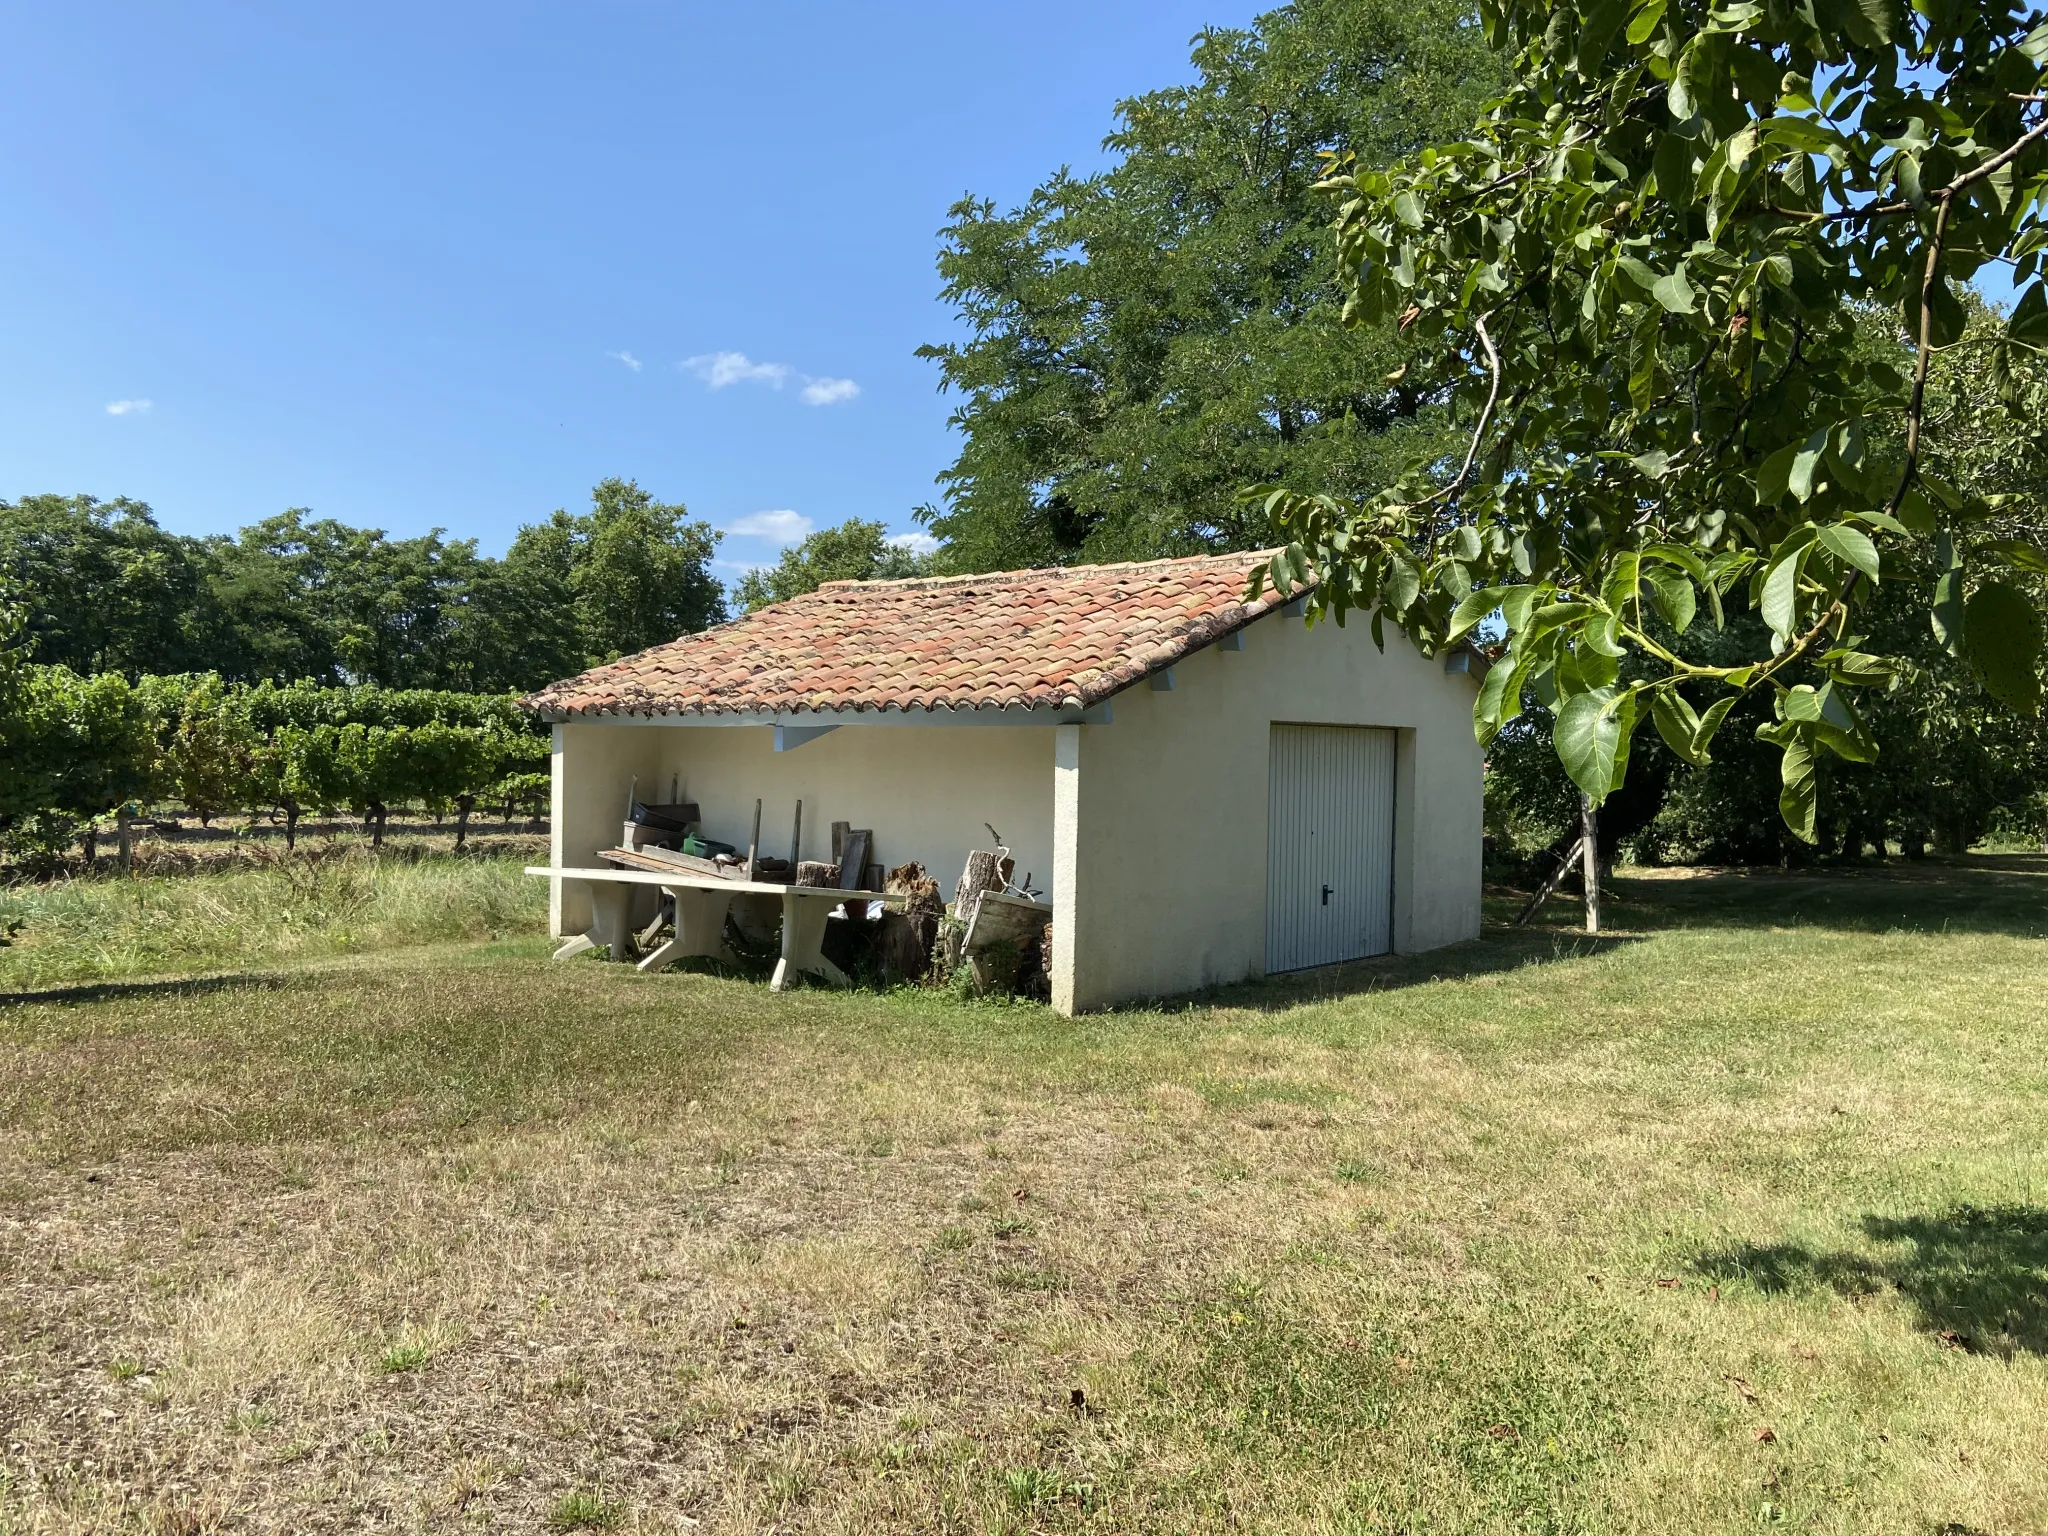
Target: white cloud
{"points": [[916, 543], [719, 369], [129, 407], [627, 358], [783, 526], [829, 391]]}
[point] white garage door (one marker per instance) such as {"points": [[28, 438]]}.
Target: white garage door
{"points": [[1330, 845]]}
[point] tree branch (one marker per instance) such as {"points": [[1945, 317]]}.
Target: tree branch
{"points": [[1928, 279]]}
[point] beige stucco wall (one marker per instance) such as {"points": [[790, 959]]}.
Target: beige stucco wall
{"points": [[1160, 816], [925, 790], [594, 769]]}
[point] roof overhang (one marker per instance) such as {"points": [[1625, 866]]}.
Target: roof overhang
{"points": [[815, 719]]}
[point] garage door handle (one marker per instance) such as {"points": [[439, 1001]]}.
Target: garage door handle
{"points": [[1326, 895]]}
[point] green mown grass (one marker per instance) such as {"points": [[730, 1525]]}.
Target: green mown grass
{"points": [[1736, 1218]]}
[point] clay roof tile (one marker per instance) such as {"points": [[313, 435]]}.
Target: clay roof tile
{"points": [[1005, 639]]}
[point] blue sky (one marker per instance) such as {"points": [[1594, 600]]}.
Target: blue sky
{"points": [[448, 265]]}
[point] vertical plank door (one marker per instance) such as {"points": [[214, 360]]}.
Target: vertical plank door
{"points": [[1329, 845]]}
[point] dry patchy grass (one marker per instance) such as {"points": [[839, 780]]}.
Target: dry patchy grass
{"points": [[1734, 1220]]}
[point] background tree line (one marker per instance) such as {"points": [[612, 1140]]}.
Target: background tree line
{"points": [[105, 589]]}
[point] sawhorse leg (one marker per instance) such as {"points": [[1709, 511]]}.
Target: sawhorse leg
{"points": [[609, 905], [803, 935], [700, 928]]}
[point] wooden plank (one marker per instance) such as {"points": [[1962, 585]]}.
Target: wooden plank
{"points": [[1551, 883], [853, 858], [683, 878], [668, 858]]}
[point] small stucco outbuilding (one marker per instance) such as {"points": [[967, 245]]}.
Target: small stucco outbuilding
{"points": [[1207, 789]]}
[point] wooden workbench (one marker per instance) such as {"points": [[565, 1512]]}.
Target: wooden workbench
{"points": [[702, 902]]}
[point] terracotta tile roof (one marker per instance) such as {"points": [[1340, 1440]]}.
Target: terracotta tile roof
{"points": [[1015, 639]]}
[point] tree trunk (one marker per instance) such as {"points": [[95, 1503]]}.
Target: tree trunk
{"points": [[1589, 861], [291, 826], [124, 834], [91, 841], [377, 813], [464, 804]]}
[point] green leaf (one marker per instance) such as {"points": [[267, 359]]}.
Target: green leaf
{"points": [[1917, 513], [1946, 614], [2002, 639], [1515, 604], [1628, 714], [2019, 554], [1403, 584], [1674, 292], [1710, 722], [1586, 734], [1283, 583], [1799, 480], [1797, 799], [1679, 98], [1642, 379], [1465, 542], [1686, 560], [1640, 273], [1851, 546], [1604, 638], [2029, 322], [1408, 209], [1860, 667], [1477, 604], [1500, 698], [1781, 592], [1645, 21], [1674, 596], [1774, 474], [1946, 318], [1676, 723], [1878, 16], [1802, 703]]}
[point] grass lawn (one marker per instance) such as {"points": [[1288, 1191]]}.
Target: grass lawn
{"points": [[1736, 1220]]}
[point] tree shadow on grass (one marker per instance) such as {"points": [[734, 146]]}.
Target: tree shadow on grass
{"points": [[1503, 948], [125, 991], [1976, 1277], [1979, 893]]}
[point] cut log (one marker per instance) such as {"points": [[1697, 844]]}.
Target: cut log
{"points": [[984, 872]]}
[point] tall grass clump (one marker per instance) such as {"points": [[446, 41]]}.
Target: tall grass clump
{"points": [[271, 910]]}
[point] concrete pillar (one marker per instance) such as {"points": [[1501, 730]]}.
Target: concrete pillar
{"points": [[1066, 861]]}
